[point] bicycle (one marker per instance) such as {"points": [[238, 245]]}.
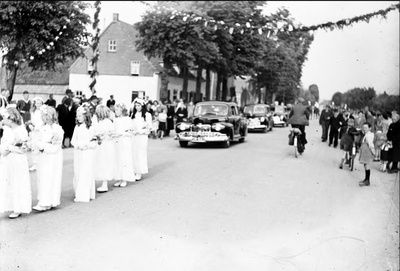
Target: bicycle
{"points": [[295, 136]]}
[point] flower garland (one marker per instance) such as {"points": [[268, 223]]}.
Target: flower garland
{"points": [[271, 29], [94, 45], [31, 56]]}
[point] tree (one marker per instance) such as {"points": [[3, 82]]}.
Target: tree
{"points": [[337, 98], [314, 91], [280, 67], [40, 33]]}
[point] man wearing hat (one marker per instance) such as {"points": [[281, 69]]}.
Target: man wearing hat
{"points": [[68, 95], [299, 118], [324, 121]]}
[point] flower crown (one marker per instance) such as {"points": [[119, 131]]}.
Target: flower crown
{"points": [[139, 101]]}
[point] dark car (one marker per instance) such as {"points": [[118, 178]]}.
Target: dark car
{"points": [[280, 115], [213, 121], [259, 117]]}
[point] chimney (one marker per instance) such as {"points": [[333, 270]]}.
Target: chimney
{"points": [[115, 17]]}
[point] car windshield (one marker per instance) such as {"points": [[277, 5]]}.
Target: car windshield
{"points": [[211, 109], [254, 109]]}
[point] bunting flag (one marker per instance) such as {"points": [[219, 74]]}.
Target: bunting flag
{"points": [[273, 28]]}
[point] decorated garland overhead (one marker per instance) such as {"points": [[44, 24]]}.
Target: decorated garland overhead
{"points": [[272, 28], [46, 47]]}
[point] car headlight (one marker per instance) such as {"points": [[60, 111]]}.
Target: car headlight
{"points": [[218, 126], [183, 126], [281, 117], [262, 119]]}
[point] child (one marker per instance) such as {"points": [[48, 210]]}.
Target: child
{"points": [[123, 147], [367, 152], [155, 124], [104, 130], [346, 142], [141, 124], [82, 140], [35, 127], [50, 160], [162, 122], [15, 193]]}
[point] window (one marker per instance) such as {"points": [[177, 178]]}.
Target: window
{"points": [[79, 93], [112, 45], [135, 68]]}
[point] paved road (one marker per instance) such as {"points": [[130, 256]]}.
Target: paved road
{"points": [[250, 207]]}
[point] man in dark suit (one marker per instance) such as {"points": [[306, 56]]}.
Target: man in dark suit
{"points": [[324, 121], [170, 118], [63, 118], [51, 101], [24, 107], [111, 101]]}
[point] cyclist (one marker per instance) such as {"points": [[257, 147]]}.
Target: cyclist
{"points": [[299, 118]]}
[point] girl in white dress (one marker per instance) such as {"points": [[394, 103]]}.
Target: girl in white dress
{"points": [[123, 147], [50, 160], [141, 126], [35, 127], [15, 190], [84, 152], [105, 152]]}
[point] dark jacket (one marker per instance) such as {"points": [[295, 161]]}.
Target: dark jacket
{"points": [[336, 122], [299, 115], [393, 135], [25, 109], [325, 116]]}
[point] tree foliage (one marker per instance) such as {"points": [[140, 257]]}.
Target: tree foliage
{"points": [[40, 33]]}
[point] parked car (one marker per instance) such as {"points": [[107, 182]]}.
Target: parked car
{"points": [[259, 117], [213, 121]]}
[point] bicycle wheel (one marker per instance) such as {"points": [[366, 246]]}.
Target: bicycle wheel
{"points": [[295, 146]]}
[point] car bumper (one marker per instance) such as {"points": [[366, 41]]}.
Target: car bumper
{"points": [[279, 122], [202, 138], [256, 127]]}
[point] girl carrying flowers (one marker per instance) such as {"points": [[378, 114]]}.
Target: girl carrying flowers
{"points": [[123, 147], [84, 151], [50, 160], [15, 190], [105, 151]]}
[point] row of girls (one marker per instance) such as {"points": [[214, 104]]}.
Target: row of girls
{"points": [[104, 150]]}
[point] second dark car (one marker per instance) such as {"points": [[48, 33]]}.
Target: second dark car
{"points": [[259, 117]]}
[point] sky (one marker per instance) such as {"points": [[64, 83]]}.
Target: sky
{"points": [[361, 55]]}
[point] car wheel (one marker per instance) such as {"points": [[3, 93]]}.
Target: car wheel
{"points": [[183, 144], [226, 144], [241, 140]]}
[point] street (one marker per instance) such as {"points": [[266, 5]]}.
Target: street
{"points": [[253, 206]]}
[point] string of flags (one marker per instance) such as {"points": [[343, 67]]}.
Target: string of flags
{"points": [[271, 29], [46, 47]]}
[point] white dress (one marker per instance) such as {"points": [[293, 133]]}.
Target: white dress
{"points": [[35, 134], [15, 184], [84, 185], [139, 142], [50, 165], [123, 150], [105, 152]]}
